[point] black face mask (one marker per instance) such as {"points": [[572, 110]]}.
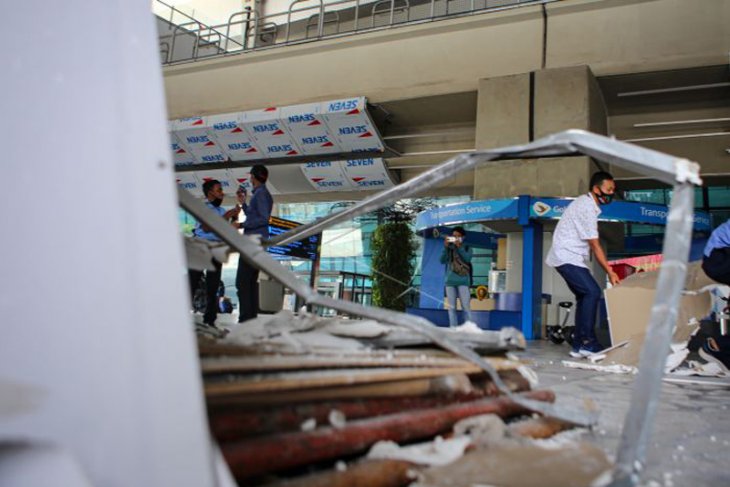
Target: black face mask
{"points": [[603, 198], [217, 202]]}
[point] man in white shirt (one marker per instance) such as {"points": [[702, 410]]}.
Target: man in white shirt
{"points": [[575, 237]]}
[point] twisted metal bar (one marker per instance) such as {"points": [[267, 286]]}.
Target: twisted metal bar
{"points": [[681, 173]]}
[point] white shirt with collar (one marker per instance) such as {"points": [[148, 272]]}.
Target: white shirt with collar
{"points": [[578, 224]]}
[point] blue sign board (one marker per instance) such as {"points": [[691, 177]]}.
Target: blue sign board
{"points": [[548, 208], [619, 211], [472, 212]]}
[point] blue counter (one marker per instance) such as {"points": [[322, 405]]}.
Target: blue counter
{"points": [[486, 320]]}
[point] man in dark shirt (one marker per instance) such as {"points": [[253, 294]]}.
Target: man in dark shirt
{"points": [[258, 212]]}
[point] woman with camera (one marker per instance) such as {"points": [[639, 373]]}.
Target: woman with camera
{"points": [[457, 258]]}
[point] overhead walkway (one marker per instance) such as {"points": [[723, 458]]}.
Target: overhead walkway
{"points": [[306, 21]]}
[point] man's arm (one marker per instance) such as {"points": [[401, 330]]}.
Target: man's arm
{"points": [[445, 253], [601, 258], [257, 214]]}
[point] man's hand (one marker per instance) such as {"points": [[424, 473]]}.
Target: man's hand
{"points": [[613, 278], [457, 243], [232, 213]]}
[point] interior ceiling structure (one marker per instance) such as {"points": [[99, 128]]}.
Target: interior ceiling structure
{"points": [[681, 112]]}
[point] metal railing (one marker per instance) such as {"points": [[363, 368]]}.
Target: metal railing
{"points": [[311, 20], [202, 37]]}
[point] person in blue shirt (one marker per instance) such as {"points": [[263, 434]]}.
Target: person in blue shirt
{"points": [[214, 195], [258, 212], [457, 258], [716, 258], [716, 264]]}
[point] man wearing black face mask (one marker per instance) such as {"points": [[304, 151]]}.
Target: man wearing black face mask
{"points": [[213, 192], [575, 237]]}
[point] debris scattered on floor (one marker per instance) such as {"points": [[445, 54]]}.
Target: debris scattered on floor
{"points": [[522, 465], [629, 306], [613, 368], [288, 392], [438, 452]]}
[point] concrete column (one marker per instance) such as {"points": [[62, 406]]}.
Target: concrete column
{"points": [[519, 108], [515, 110]]}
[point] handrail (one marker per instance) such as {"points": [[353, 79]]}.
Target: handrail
{"points": [[291, 10], [174, 10], [391, 10], [199, 32], [252, 23], [244, 32], [336, 20], [174, 35]]}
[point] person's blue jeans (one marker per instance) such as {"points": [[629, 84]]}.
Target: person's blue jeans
{"points": [[465, 299], [587, 294]]}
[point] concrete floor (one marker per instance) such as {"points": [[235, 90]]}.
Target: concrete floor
{"points": [[690, 443]]}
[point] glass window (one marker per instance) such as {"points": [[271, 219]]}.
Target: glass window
{"points": [[719, 217], [656, 196], [347, 246], [719, 196], [187, 222]]}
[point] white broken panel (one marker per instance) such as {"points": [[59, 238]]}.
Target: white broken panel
{"points": [[270, 134], [308, 128], [350, 123], [367, 174], [326, 176], [194, 135], [231, 135]]}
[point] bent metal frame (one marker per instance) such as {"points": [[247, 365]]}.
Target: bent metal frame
{"points": [[682, 174]]}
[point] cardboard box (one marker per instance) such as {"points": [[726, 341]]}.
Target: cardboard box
{"points": [[629, 309]]}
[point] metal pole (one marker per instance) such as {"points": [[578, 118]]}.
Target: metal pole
{"points": [[647, 386], [246, 28], [357, 14], [314, 273]]}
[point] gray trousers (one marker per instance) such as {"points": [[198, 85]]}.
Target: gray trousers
{"points": [[465, 299]]}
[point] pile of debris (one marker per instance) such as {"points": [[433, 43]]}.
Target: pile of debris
{"points": [[309, 401], [629, 306]]}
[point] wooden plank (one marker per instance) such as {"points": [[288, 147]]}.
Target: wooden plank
{"points": [[220, 365], [406, 388], [212, 348], [403, 388], [328, 378]]}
